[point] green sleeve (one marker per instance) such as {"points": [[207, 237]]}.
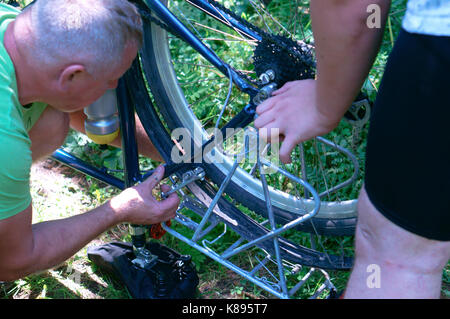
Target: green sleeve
{"points": [[15, 167]]}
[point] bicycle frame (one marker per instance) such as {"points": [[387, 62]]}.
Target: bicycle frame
{"points": [[132, 173]]}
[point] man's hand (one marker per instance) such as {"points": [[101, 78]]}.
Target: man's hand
{"points": [[137, 205], [26, 248], [345, 51], [293, 113]]}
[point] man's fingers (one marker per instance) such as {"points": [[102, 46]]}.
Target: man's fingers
{"points": [[271, 132], [170, 204], [155, 178], [285, 87], [286, 149], [264, 106], [165, 188], [264, 119], [281, 90]]}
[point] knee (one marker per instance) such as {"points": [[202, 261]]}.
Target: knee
{"points": [[366, 241], [367, 235], [380, 241]]}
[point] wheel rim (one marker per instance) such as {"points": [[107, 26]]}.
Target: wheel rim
{"points": [[335, 209]]}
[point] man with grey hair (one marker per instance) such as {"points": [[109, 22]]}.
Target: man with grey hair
{"points": [[57, 57]]}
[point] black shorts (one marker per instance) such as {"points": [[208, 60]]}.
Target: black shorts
{"points": [[407, 173]]}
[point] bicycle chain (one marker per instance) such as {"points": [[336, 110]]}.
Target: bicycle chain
{"points": [[290, 60]]}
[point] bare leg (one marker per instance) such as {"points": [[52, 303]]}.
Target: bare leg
{"points": [[145, 146], [48, 133], [409, 266]]}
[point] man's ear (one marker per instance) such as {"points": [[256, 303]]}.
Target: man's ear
{"points": [[70, 75]]}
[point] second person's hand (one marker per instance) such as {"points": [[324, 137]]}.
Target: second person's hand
{"points": [[293, 115]]}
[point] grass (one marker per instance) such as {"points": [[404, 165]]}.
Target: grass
{"points": [[59, 192]]}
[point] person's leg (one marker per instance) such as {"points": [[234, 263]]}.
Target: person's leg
{"points": [[402, 238], [145, 146], [48, 133], [409, 266]]}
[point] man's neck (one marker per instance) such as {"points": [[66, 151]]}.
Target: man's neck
{"points": [[28, 82]]}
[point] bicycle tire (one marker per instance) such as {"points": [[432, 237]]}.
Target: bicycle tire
{"points": [[335, 218]]}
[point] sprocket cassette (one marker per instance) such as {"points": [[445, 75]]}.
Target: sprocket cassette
{"points": [[290, 60]]}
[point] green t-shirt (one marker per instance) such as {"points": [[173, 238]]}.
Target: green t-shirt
{"points": [[15, 122]]}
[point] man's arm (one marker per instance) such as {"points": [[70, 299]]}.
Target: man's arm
{"points": [[27, 248], [345, 50]]}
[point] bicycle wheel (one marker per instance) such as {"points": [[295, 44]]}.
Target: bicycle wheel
{"points": [[190, 92], [187, 90]]}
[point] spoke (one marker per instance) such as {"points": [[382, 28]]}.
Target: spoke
{"points": [[320, 242], [350, 156], [302, 10], [222, 20], [225, 33], [270, 16], [259, 14], [228, 22], [293, 20], [324, 177], [203, 98], [250, 42], [189, 22]]}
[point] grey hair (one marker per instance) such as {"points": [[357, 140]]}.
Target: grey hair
{"points": [[92, 32]]}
